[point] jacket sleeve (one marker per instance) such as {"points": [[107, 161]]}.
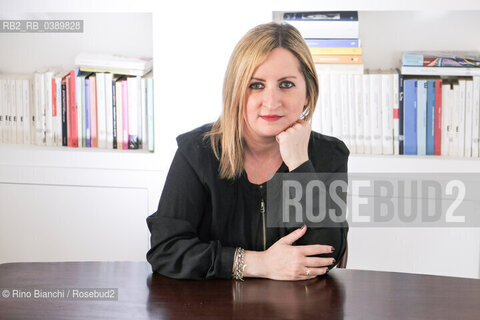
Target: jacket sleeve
{"points": [[176, 250], [335, 234]]}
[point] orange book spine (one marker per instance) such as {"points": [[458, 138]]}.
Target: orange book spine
{"points": [[320, 59]]}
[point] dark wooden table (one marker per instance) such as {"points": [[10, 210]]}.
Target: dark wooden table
{"points": [[342, 294]]}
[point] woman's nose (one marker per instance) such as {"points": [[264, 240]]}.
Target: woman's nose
{"points": [[271, 98]]}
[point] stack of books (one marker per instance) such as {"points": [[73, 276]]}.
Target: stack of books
{"points": [[333, 38], [441, 63], [107, 102]]}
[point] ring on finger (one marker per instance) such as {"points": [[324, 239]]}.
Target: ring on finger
{"points": [[308, 272]]}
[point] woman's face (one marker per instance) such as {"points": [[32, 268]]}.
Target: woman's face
{"points": [[276, 95]]}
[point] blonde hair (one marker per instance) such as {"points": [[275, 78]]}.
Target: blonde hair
{"points": [[226, 136]]}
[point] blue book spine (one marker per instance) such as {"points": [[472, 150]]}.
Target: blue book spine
{"points": [[430, 117], [333, 43], [401, 134], [87, 114], [322, 16], [410, 116], [412, 60], [421, 117]]}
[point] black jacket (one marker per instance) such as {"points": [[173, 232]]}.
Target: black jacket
{"points": [[201, 218]]}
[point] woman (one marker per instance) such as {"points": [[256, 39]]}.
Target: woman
{"points": [[210, 221]]}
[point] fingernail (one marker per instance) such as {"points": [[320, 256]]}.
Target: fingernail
{"points": [[333, 249], [333, 261], [302, 227]]}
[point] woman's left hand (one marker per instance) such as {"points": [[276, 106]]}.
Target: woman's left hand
{"points": [[293, 144]]}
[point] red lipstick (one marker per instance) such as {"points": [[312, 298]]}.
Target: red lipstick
{"points": [[271, 117]]}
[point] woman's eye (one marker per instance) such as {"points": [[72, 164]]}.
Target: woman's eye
{"points": [[286, 84], [256, 85]]}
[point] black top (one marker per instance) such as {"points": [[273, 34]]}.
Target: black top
{"points": [[201, 218]]}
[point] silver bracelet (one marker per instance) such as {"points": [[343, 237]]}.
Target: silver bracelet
{"points": [[238, 264]]}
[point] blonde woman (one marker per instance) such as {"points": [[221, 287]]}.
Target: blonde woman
{"points": [[210, 221]]}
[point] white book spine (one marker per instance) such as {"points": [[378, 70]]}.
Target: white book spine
{"points": [[19, 110], [326, 115], [40, 107], [33, 117], [101, 111], [367, 125], [26, 110], [387, 113], [350, 94], [396, 120], [376, 113], [13, 112], [468, 118], [48, 108], [142, 123], [453, 133], [475, 116], [150, 102], [58, 120], [461, 118], [359, 115], [133, 110], [326, 29], [6, 108], [445, 118], [119, 112], [336, 107], [109, 110], [2, 112]]}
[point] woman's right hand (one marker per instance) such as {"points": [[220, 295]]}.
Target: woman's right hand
{"points": [[284, 261]]}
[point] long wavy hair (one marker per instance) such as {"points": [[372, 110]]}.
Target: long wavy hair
{"points": [[226, 135]]}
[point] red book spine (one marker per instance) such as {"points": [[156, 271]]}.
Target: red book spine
{"points": [[438, 118], [93, 112], [54, 98]]}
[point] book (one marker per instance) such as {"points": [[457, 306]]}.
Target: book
{"points": [[475, 117], [446, 125], [82, 113], [114, 113], [396, 118], [430, 118], [64, 113], [440, 71], [339, 68], [78, 102], [468, 118], [93, 111], [134, 106], [341, 24], [101, 110], [336, 51], [386, 101], [334, 59], [441, 59], [367, 129], [125, 115], [88, 116], [376, 112], [358, 112], [109, 109], [332, 43], [95, 62], [438, 118], [119, 111], [150, 113], [421, 117], [410, 116]]}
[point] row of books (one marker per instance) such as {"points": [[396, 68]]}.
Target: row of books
{"points": [[332, 36], [384, 112], [77, 109]]}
